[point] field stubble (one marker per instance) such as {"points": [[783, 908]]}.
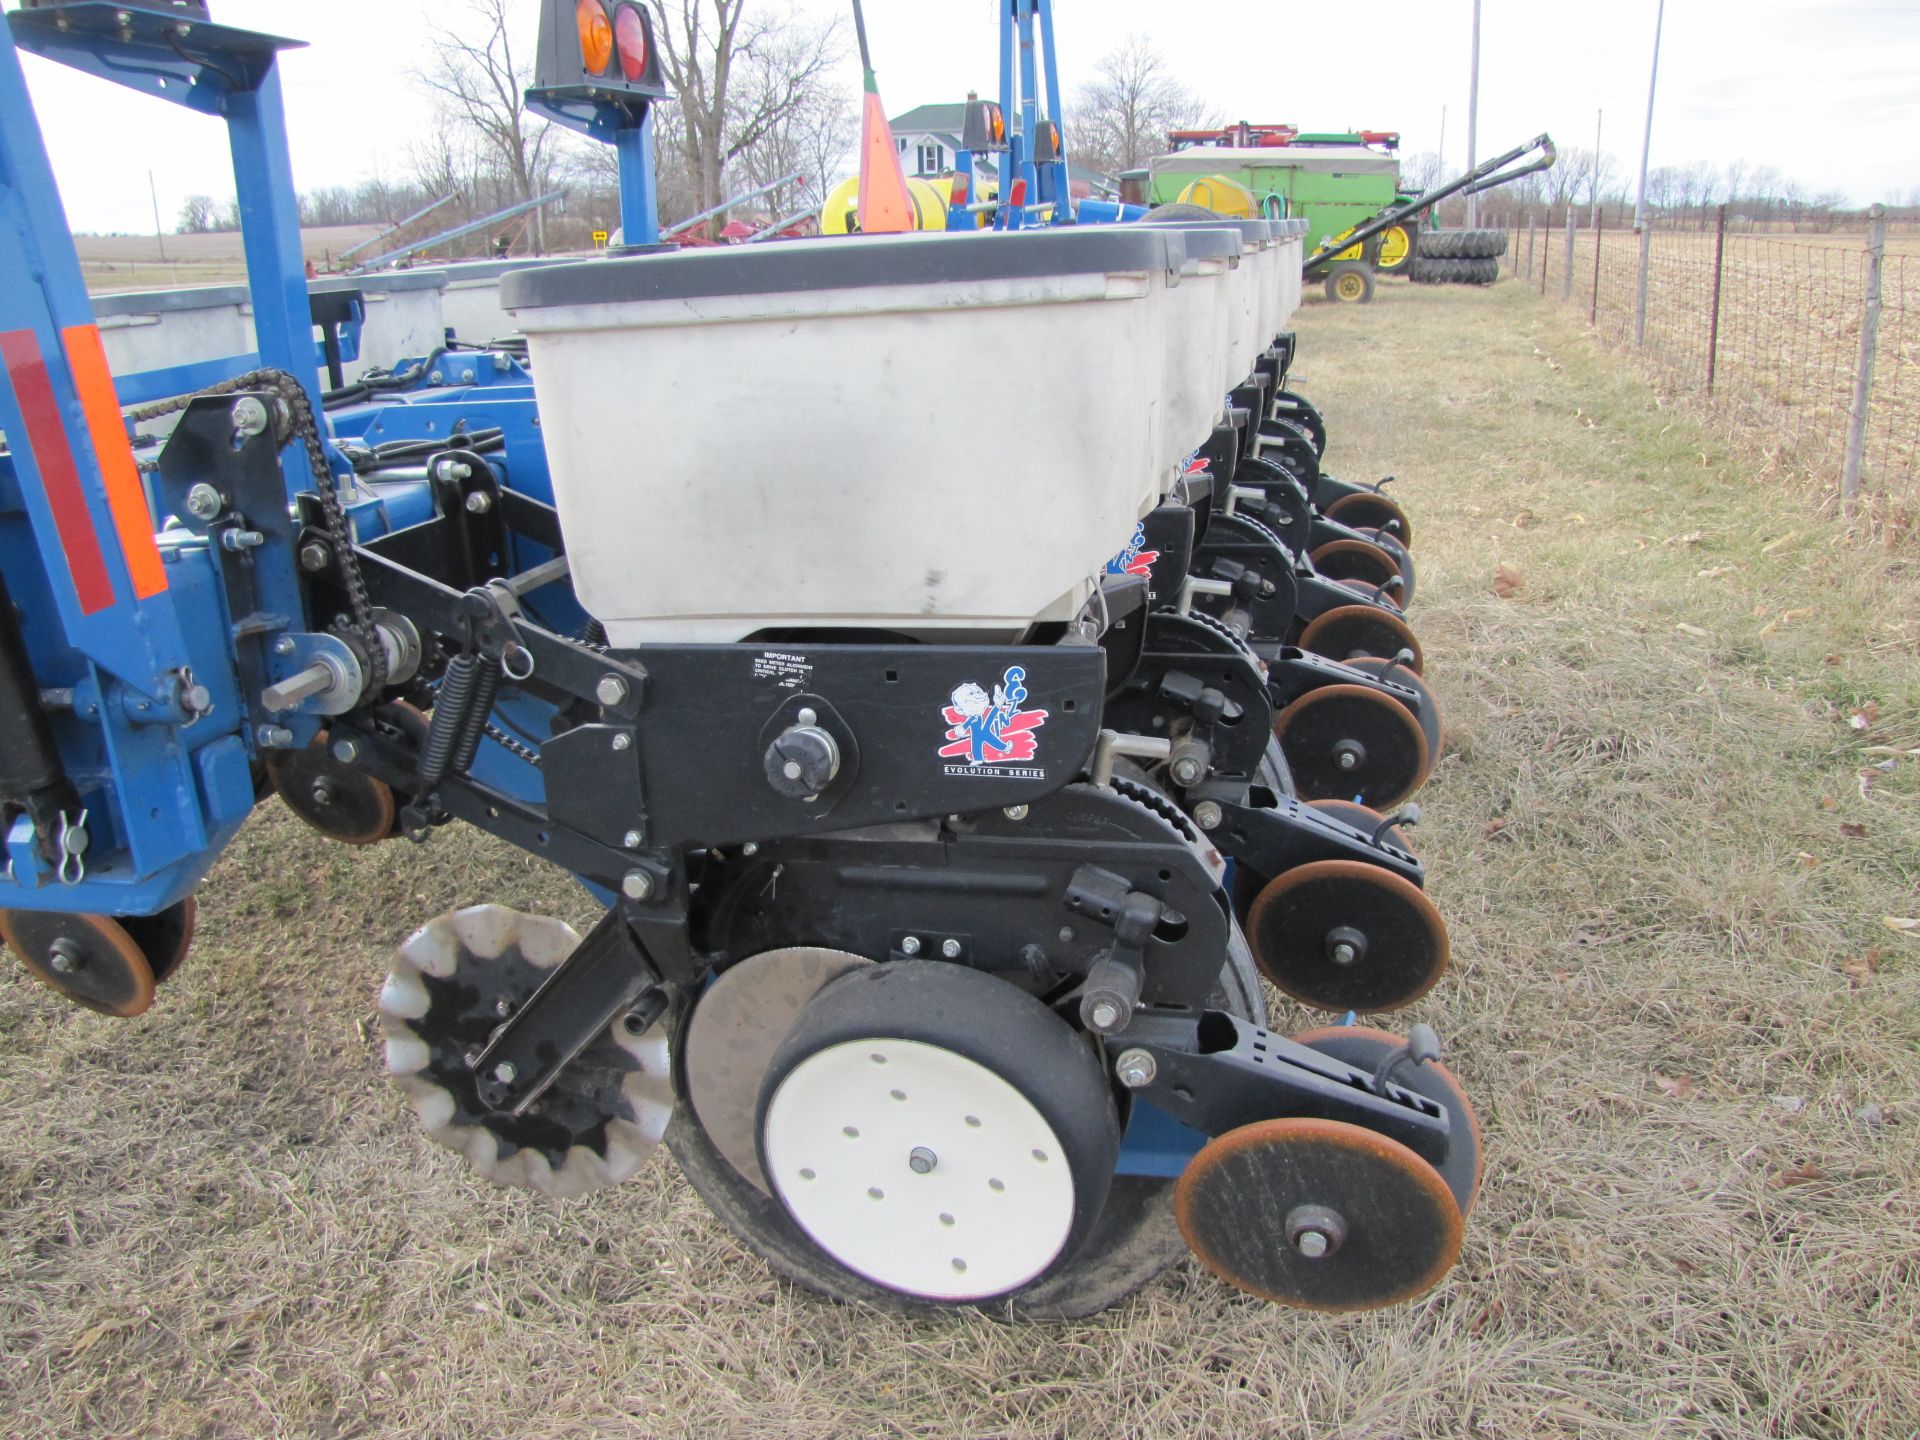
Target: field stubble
{"points": [[1665, 855]]}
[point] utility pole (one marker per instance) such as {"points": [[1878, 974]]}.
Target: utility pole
{"points": [[1598, 116], [1473, 115], [1640, 204], [158, 239]]}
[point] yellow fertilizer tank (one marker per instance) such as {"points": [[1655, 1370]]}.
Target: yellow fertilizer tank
{"points": [[1223, 196], [839, 216]]}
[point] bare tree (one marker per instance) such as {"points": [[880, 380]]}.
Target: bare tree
{"points": [[478, 77], [196, 215], [1420, 173], [1121, 118], [735, 76], [811, 126]]}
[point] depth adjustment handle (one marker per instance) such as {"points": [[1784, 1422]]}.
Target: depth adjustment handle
{"points": [[1111, 991]]}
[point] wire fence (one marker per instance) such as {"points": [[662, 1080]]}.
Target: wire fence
{"points": [[1762, 335]]}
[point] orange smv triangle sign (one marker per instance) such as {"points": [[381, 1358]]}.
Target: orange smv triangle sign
{"points": [[885, 206]]}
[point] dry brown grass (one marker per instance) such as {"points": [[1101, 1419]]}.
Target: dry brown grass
{"points": [[219, 1219]]}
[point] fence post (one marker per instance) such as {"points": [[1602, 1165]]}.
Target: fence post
{"points": [[1566, 280], [1546, 250], [1863, 372], [1719, 265], [1599, 229], [1640, 302], [1530, 227]]}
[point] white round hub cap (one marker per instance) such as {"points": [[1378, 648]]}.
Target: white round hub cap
{"points": [[919, 1169]]}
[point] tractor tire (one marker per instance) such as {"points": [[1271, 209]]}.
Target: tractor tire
{"points": [[1480, 244], [1437, 244], [1350, 283], [1397, 246], [1481, 271]]}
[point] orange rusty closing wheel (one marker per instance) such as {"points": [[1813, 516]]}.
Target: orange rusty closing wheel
{"points": [[1346, 742], [1318, 1214], [1370, 510], [1347, 935], [89, 959], [1349, 630]]}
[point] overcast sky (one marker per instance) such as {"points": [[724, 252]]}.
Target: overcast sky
{"points": [[1827, 92]]}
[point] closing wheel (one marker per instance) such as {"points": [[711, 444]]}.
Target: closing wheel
{"points": [[1134, 1240], [1370, 510], [1364, 1047], [1346, 935], [1426, 711], [341, 802], [1347, 631], [91, 960], [938, 1131], [1318, 1214], [1346, 742], [1361, 560], [164, 938], [1350, 282], [1365, 819]]}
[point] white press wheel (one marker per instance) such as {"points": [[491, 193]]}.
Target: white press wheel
{"points": [[937, 1131]]}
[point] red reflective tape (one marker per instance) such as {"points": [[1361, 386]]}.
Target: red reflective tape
{"points": [[126, 499], [47, 439]]}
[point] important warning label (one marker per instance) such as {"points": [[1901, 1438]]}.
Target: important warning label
{"points": [[789, 672]]}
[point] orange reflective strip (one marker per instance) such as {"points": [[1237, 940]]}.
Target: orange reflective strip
{"points": [[87, 358]]}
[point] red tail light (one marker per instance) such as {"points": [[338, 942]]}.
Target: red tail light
{"points": [[630, 38]]}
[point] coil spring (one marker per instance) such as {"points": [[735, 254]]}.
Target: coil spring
{"points": [[473, 724], [449, 718]]}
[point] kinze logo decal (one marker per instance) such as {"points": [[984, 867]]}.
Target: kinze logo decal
{"points": [[1136, 559], [991, 735]]}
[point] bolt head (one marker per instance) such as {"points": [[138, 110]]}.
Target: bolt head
{"points": [[910, 945], [314, 557], [1346, 759], [1015, 812], [479, 503], [631, 839], [1311, 1243], [504, 1072], [285, 645], [622, 741], [750, 849], [1207, 815], [950, 949], [1343, 954], [346, 751], [1186, 770], [248, 415], [204, 502], [503, 1007], [62, 963], [636, 885], [921, 1160], [611, 690], [1104, 1015], [1135, 1069]]}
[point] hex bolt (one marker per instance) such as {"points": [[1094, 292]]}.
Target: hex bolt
{"points": [[322, 794], [503, 1007], [1135, 1069], [204, 502], [346, 751], [1343, 954], [1104, 1015], [65, 957], [1311, 1243], [249, 416], [750, 849], [910, 945], [622, 741], [237, 539], [1207, 815], [314, 557], [479, 502], [636, 885], [285, 645], [1015, 812], [921, 1160], [504, 1072], [1186, 770], [274, 737], [950, 949], [1314, 1231], [611, 690], [435, 378], [1348, 754], [632, 841]]}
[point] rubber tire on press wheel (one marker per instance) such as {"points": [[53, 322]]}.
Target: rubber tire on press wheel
{"points": [[1134, 1241], [1350, 282]]}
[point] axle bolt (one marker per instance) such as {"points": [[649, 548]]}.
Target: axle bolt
{"points": [[622, 741], [1186, 770], [1135, 1069], [1344, 954], [1311, 1243], [249, 416], [346, 751], [274, 737], [1104, 1016], [921, 1160], [611, 690], [204, 502], [636, 885], [1207, 815], [1348, 754], [504, 1072], [314, 557], [65, 958], [1314, 1231], [910, 945], [1015, 812], [950, 949]]}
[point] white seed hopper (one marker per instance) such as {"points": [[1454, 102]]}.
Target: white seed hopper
{"points": [[941, 435]]}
